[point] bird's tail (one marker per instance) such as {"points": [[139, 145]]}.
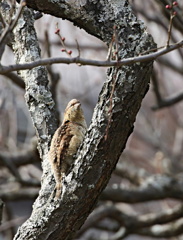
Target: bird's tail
{"points": [[58, 189]]}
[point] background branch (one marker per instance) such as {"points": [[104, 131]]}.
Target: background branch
{"points": [[154, 188]]}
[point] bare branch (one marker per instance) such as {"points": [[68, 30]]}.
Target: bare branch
{"points": [[132, 223], [123, 172], [1, 209], [171, 65], [12, 168], [15, 79], [19, 194], [166, 231], [12, 223], [154, 188], [156, 87], [82, 61], [167, 102], [23, 157]]}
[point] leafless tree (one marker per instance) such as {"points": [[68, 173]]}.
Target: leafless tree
{"points": [[131, 51]]}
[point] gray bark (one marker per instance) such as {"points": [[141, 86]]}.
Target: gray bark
{"points": [[112, 121]]}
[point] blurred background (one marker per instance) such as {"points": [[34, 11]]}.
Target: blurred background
{"points": [[154, 148]]}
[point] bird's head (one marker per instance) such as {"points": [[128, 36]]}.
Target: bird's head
{"points": [[74, 112]]}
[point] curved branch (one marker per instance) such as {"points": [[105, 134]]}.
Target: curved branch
{"points": [[165, 231], [23, 157], [167, 102], [129, 223]]}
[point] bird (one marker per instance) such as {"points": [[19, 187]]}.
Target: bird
{"points": [[66, 141]]}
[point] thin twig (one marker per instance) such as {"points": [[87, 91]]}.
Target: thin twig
{"points": [[170, 29], [156, 88], [62, 40], [110, 107], [116, 44], [160, 21], [54, 76], [78, 48], [113, 40]]}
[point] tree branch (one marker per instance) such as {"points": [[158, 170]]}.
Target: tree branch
{"points": [[166, 231], [131, 224], [26, 156], [89, 62], [154, 188], [1, 210], [15, 79], [19, 194], [167, 102]]}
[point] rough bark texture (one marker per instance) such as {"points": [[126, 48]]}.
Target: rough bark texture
{"points": [[38, 96], [112, 121]]}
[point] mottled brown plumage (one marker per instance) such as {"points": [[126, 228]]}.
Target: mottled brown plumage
{"points": [[66, 141]]}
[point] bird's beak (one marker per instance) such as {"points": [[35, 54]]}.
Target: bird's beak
{"points": [[77, 105]]}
